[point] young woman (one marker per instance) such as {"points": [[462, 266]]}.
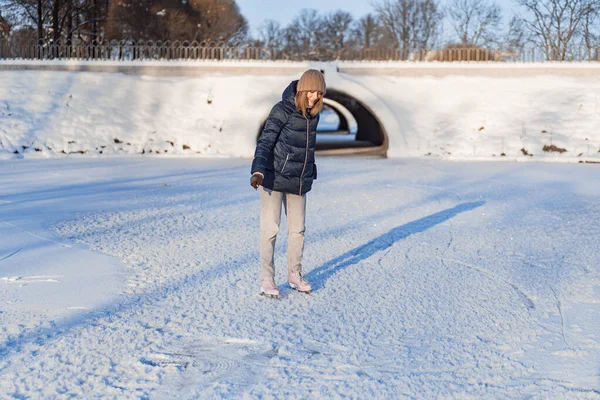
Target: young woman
{"points": [[284, 169]]}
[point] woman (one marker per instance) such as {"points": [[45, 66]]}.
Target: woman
{"points": [[284, 168]]}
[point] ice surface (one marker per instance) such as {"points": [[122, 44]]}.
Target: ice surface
{"points": [[138, 278]]}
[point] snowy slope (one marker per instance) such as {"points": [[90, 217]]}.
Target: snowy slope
{"points": [[456, 117], [72, 112], [433, 280], [482, 117]]}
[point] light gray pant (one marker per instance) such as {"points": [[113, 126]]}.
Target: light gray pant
{"points": [[270, 217]]}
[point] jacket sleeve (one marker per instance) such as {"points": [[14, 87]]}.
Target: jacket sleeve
{"points": [[268, 137]]}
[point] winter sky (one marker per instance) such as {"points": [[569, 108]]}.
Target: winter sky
{"points": [[284, 11]]}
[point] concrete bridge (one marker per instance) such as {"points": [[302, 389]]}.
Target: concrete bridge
{"points": [[380, 126]]}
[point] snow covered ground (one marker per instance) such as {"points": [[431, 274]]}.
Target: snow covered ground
{"points": [[137, 278]]}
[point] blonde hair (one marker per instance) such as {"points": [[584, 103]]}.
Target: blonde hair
{"points": [[301, 101]]}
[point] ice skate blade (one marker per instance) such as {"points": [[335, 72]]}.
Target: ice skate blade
{"points": [[294, 287], [270, 296]]}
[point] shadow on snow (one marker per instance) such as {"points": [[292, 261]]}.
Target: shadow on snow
{"points": [[321, 274]]}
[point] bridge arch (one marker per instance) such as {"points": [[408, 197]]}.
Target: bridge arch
{"points": [[370, 137]]}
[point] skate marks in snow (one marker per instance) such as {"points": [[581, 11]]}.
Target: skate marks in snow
{"points": [[209, 367], [560, 349], [319, 276], [7, 256], [527, 301], [562, 317], [35, 235], [202, 362], [24, 280]]}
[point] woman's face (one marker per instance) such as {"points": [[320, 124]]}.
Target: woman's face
{"points": [[313, 97]]}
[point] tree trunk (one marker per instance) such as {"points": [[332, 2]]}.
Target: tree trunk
{"points": [[94, 21], [69, 27], [69, 21], [55, 22], [94, 27], [40, 25]]}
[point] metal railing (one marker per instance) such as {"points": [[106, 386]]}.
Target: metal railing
{"points": [[126, 50], [471, 54]]}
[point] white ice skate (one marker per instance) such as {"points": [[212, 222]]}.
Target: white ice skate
{"points": [[268, 288], [297, 282]]}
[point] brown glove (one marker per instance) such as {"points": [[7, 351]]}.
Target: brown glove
{"points": [[256, 180]]}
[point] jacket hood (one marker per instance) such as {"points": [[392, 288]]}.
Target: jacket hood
{"points": [[289, 94]]}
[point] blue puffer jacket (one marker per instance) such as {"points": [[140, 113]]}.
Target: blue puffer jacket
{"points": [[285, 153]]}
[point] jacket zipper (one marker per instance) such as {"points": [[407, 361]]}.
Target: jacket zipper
{"points": [[285, 163], [305, 157]]}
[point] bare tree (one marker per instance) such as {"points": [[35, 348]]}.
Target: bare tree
{"points": [[428, 24], [394, 17], [554, 24], [138, 19], [367, 31], [516, 37], [307, 27], [291, 41], [335, 32], [271, 34], [222, 20], [590, 30], [54, 20], [476, 22], [29, 13], [95, 20], [412, 24], [201, 20], [5, 26]]}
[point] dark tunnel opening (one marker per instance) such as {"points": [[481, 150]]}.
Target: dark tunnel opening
{"points": [[357, 130]]}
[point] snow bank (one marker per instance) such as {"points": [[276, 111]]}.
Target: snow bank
{"points": [[482, 117], [55, 113]]}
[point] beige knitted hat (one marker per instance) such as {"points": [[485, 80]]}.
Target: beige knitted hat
{"points": [[312, 80]]}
